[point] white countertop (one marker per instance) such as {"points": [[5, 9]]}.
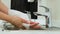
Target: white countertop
{"points": [[30, 32], [48, 31]]}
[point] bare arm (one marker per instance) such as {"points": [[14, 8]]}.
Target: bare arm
{"points": [[3, 8], [13, 20]]}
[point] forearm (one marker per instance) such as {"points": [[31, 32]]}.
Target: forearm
{"points": [[3, 8], [10, 19]]}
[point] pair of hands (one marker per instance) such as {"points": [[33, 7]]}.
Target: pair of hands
{"points": [[19, 21]]}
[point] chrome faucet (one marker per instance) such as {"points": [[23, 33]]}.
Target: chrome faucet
{"points": [[46, 16], [46, 9]]}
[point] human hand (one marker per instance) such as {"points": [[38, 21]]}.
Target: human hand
{"points": [[34, 25], [19, 21]]}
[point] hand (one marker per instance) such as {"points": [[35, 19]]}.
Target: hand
{"points": [[34, 26], [17, 22]]}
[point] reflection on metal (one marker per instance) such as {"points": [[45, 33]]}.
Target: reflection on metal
{"points": [[47, 18], [46, 9], [30, 0]]}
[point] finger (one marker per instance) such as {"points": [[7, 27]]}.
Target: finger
{"points": [[28, 22], [36, 27], [32, 25], [33, 22], [23, 28]]}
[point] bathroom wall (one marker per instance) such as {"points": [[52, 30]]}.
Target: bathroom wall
{"points": [[54, 6]]}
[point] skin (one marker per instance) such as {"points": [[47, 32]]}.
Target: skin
{"points": [[3, 8], [16, 21], [4, 15]]}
